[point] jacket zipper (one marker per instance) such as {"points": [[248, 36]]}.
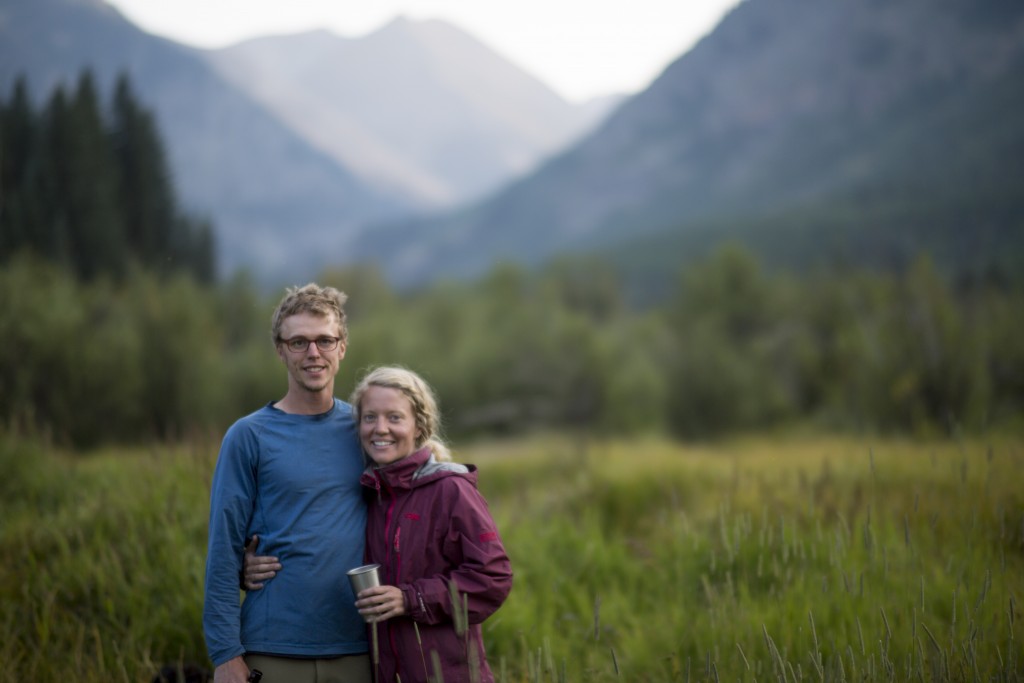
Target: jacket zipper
{"points": [[388, 518], [393, 579]]}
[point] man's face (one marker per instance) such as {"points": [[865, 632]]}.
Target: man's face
{"points": [[312, 369]]}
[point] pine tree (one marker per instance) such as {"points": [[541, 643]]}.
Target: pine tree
{"points": [[145, 192], [203, 256], [53, 238], [97, 227], [94, 196], [17, 138]]}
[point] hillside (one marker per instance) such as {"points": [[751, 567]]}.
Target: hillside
{"points": [[869, 115], [419, 106], [263, 186]]}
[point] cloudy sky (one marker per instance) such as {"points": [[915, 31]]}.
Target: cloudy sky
{"points": [[581, 48]]}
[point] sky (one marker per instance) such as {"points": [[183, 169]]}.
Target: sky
{"points": [[579, 48]]}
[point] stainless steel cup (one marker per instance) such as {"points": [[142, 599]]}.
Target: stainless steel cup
{"points": [[364, 577]]}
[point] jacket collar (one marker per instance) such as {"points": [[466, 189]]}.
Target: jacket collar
{"points": [[413, 470], [397, 474]]}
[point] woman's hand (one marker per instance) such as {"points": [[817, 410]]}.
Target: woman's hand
{"points": [[380, 603], [257, 568]]}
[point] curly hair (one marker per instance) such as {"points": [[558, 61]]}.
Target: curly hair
{"points": [[310, 298]]}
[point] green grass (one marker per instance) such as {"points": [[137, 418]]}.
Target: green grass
{"points": [[772, 559], [799, 559], [103, 562]]}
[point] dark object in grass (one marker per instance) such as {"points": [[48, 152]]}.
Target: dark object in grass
{"points": [[182, 673]]}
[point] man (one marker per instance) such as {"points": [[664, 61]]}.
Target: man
{"points": [[289, 474]]}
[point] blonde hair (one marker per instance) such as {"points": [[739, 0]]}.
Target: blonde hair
{"points": [[310, 298], [424, 404]]}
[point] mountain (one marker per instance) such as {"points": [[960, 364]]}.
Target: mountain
{"points": [[843, 131], [293, 145], [280, 207], [418, 106]]}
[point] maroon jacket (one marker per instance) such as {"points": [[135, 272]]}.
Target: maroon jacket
{"points": [[429, 528]]}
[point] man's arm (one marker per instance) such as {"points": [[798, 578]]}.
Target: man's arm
{"points": [[232, 671], [232, 497]]}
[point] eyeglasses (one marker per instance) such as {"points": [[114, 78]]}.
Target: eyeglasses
{"points": [[301, 344]]}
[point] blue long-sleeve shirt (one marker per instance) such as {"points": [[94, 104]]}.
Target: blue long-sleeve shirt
{"points": [[294, 480]]}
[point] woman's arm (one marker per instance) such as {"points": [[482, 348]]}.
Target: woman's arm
{"points": [[257, 569], [479, 575]]}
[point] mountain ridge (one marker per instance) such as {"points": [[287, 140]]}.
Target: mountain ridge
{"points": [[785, 103], [419, 105]]}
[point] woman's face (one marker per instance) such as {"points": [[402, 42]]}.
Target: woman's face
{"points": [[387, 427]]}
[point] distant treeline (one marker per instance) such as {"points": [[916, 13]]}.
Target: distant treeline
{"points": [[115, 330], [735, 349], [90, 190]]}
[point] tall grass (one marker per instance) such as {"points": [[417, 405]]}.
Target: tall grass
{"points": [[103, 562], [800, 559], [797, 559]]}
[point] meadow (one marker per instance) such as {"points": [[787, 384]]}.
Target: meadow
{"points": [[776, 558]]}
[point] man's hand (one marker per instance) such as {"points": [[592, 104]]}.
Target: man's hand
{"points": [[231, 671], [257, 568], [381, 603]]}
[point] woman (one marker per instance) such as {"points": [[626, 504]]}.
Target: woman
{"points": [[443, 568]]}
